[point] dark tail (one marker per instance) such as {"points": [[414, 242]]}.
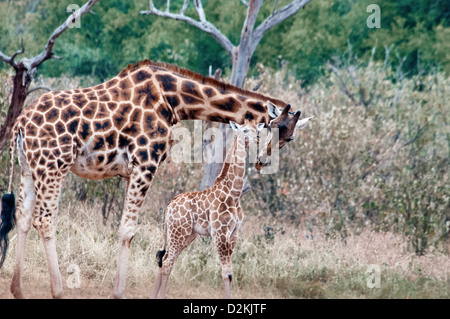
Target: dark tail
{"points": [[7, 223], [159, 256]]}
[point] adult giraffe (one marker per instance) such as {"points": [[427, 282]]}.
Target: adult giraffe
{"points": [[118, 128]]}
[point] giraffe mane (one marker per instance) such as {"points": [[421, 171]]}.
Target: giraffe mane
{"points": [[203, 79]]}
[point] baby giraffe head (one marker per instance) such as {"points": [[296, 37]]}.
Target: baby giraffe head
{"points": [[249, 129], [287, 123]]}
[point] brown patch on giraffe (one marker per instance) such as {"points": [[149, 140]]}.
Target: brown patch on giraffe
{"points": [[149, 121], [102, 111], [62, 100], [164, 113], [218, 117], [69, 112], [192, 112], [141, 76], [85, 131], [189, 100], [157, 149], [142, 140], [125, 84], [79, 100], [52, 115], [124, 95], [191, 88], [99, 143], [121, 115], [111, 83], [173, 100], [89, 110], [132, 129], [99, 87], [147, 94], [110, 139], [115, 93], [103, 96], [92, 96], [168, 82], [209, 91], [111, 157], [228, 104], [257, 106], [44, 106], [60, 127], [100, 126], [112, 106], [47, 131], [72, 126]]}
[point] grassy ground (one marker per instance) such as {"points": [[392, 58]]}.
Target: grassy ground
{"points": [[284, 265], [368, 179]]}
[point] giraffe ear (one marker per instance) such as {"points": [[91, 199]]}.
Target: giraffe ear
{"points": [[260, 126], [302, 123], [235, 126], [273, 110]]}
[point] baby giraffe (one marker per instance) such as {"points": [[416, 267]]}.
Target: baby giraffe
{"points": [[214, 212]]}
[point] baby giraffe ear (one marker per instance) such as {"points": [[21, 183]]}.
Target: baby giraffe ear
{"points": [[273, 110], [260, 126], [235, 126]]}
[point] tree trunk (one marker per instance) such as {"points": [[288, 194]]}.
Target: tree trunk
{"points": [[21, 82]]}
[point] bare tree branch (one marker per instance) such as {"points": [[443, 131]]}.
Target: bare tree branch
{"points": [[185, 5], [10, 60], [203, 24], [39, 87], [257, 86], [279, 16], [47, 52], [199, 7], [244, 2]]}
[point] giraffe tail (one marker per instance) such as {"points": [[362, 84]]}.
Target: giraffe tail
{"points": [[7, 219], [159, 256], [160, 253]]}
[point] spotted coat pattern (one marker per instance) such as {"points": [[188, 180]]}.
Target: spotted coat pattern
{"points": [[214, 212], [118, 128]]}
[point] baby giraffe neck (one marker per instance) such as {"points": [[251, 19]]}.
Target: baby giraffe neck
{"points": [[233, 170]]}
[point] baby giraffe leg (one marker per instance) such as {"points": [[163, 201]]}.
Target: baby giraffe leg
{"points": [[225, 249], [175, 248]]}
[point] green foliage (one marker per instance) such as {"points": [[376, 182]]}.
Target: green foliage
{"points": [[117, 35]]}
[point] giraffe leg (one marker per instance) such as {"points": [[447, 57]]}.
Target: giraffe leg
{"points": [[47, 202], [225, 242], [175, 248], [24, 212], [136, 191]]}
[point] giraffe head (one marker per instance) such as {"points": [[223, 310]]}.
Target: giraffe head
{"points": [[249, 129], [287, 123]]}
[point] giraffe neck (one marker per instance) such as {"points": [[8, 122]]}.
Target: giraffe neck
{"points": [[233, 170], [195, 97]]}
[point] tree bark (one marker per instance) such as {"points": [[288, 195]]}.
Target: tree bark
{"points": [[26, 69], [21, 83]]}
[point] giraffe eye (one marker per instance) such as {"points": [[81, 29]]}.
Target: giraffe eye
{"points": [[245, 130]]}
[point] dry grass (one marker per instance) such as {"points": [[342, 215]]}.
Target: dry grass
{"points": [[286, 265], [369, 183]]}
